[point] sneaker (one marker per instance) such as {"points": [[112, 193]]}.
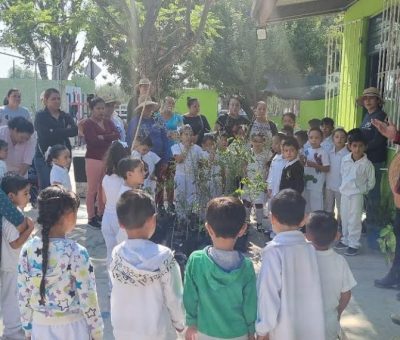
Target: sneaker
{"points": [[395, 319], [99, 218], [340, 245], [260, 227], [391, 280], [351, 251], [93, 222]]}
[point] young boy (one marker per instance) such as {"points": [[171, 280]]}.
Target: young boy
{"points": [[277, 165], [293, 172], [290, 303], [289, 120], [327, 126], [315, 168], [17, 188], [220, 284], [142, 151], [358, 177], [336, 277], [146, 298]]}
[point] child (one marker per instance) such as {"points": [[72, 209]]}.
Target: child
{"points": [[289, 119], [56, 283], [358, 177], [17, 190], [256, 171], [222, 141], [187, 156], [277, 165], [142, 151], [212, 170], [146, 299], [133, 173], [59, 157], [302, 139], [290, 305], [3, 157], [333, 177], [111, 189], [335, 274], [327, 126], [293, 172], [314, 123], [220, 284], [316, 166]]}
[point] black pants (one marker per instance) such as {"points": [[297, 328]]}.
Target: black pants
{"points": [[396, 229]]}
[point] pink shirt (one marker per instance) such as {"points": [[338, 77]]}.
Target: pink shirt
{"points": [[18, 154]]}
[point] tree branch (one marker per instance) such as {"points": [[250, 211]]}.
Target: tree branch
{"points": [[103, 6]]}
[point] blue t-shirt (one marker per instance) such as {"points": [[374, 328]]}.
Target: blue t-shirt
{"points": [[7, 114], [171, 125]]}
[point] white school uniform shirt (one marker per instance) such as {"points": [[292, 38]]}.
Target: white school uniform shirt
{"points": [[333, 177], [147, 282], [336, 278], [275, 173], [122, 235], [190, 164], [358, 177], [151, 159], [327, 144], [3, 168], [112, 185], [60, 175], [290, 305], [9, 256], [319, 177]]}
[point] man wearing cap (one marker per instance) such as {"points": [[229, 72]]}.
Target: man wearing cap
{"points": [[376, 152], [111, 102]]}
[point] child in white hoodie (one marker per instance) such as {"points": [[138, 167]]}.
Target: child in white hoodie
{"points": [[147, 293]]}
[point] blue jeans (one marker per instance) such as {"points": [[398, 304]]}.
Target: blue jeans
{"points": [[373, 198], [42, 171]]}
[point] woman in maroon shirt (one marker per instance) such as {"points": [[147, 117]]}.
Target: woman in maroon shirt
{"points": [[99, 134]]}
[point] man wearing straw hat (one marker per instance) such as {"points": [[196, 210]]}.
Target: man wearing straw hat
{"points": [[376, 152], [112, 102]]}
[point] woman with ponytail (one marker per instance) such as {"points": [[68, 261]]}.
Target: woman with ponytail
{"points": [[56, 283]]}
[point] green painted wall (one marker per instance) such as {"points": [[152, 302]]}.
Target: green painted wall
{"points": [[27, 88], [208, 103], [354, 60]]}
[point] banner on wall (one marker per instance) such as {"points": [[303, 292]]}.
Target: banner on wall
{"points": [[75, 101]]}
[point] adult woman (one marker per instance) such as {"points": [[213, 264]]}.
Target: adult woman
{"points": [[172, 121], [197, 121], [142, 90], [99, 134], [13, 108], [262, 125], [53, 126], [231, 121], [372, 101], [21, 144]]}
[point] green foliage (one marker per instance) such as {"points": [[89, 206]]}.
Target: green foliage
{"points": [[387, 242], [18, 72], [33, 27]]}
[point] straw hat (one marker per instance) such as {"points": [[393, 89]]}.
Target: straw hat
{"points": [[394, 179], [145, 102], [110, 98], [370, 92], [144, 81]]}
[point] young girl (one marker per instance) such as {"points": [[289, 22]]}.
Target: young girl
{"points": [[212, 167], [333, 177], [133, 173], [142, 151], [60, 159], [187, 156], [256, 170], [56, 283], [111, 189], [315, 168]]}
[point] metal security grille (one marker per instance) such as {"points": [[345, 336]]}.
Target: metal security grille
{"points": [[389, 58]]}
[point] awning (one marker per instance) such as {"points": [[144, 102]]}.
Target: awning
{"points": [[264, 11]]}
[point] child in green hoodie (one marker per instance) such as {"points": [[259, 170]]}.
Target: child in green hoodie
{"points": [[220, 294]]}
